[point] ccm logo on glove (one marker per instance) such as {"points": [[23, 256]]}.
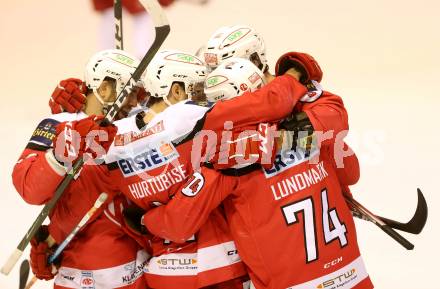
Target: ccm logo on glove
{"points": [[85, 137]]}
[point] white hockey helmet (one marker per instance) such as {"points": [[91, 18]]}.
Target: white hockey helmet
{"points": [[233, 78], [114, 64], [236, 41], [170, 66]]}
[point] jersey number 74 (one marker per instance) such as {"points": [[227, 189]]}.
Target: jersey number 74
{"points": [[331, 225]]}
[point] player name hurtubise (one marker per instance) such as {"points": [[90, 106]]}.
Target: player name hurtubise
{"points": [[153, 185]]}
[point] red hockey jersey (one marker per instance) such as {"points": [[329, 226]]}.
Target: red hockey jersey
{"points": [[150, 163], [291, 224], [85, 261]]}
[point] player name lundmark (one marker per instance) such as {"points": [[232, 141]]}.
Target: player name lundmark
{"points": [[299, 181]]}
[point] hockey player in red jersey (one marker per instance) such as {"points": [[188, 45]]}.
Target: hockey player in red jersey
{"points": [[208, 258], [291, 224], [146, 157], [337, 104], [85, 262], [318, 108], [253, 116]]}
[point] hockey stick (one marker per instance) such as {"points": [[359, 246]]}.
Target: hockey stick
{"points": [[413, 226], [367, 215], [417, 222], [117, 6], [98, 203], [31, 283], [162, 30], [24, 274]]}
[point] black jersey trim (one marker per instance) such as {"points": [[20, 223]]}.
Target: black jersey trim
{"points": [[37, 147], [236, 172]]}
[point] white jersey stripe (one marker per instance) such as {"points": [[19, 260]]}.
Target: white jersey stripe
{"points": [[344, 278], [190, 264], [114, 277]]}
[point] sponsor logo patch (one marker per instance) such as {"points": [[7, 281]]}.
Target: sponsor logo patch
{"points": [[211, 59], [215, 80], [87, 281], [186, 58], [254, 77], [287, 159], [45, 132], [126, 138], [340, 280], [148, 160], [235, 36]]}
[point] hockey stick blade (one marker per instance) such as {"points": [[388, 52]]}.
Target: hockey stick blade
{"points": [[162, 30], [365, 214], [24, 274], [417, 222]]}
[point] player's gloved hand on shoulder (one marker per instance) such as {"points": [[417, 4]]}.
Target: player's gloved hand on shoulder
{"points": [[68, 96], [75, 138], [246, 148], [40, 251], [298, 131], [303, 63]]}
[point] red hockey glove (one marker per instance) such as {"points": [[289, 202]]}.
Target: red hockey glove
{"points": [[75, 138], [299, 131], [40, 252], [166, 3], [302, 62], [68, 96]]}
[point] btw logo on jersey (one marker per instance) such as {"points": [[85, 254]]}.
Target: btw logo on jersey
{"points": [[148, 160], [286, 159]]}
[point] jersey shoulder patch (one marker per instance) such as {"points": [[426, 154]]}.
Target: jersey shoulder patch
{"points": [[314, 91], [43, 135]]}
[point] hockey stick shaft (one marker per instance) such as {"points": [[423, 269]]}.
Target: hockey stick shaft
{"points": [[98, 203], [101, 200], [378, 222], [413, 226], [389, 222], [7, 267], [162, 30], [119, 42], [31, 283]]}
